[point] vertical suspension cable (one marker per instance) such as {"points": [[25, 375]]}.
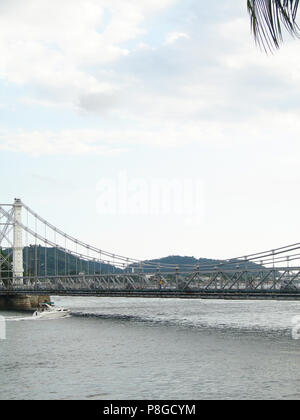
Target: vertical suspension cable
{"points": [[100, 263], [55, 255], [65, 256], [274, 275], [31, 261], [35, 250], [27, 250], [39, 259], [76, 263], [45, 252]]}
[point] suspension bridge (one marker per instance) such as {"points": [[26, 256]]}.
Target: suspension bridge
{"points": [[37, 258]]}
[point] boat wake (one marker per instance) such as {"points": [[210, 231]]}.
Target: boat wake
{"points": [[31, 318], [191, 322], [19, 318]]}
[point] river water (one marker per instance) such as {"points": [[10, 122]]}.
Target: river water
{"points": [[131, 348]]}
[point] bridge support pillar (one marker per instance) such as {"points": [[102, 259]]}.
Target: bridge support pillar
{"points": [[17, 244], [22, 302]]}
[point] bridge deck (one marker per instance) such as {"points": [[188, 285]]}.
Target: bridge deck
{"points": [[275, 283], [194, 294]]}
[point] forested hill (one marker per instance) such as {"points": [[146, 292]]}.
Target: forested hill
{"points": [[189, 263], [39, 260]]}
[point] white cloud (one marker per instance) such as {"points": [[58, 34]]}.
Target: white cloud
{"points": [[172, 37], [55, 46], [259, 132], [65, 142], [220, 92]]}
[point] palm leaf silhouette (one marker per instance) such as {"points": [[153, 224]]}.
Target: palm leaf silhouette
{"points": [[268, 17]]}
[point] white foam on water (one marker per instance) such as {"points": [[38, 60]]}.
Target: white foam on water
{"points": [[31, 318]]}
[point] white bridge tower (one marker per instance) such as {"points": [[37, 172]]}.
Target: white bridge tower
{"points": [[17, 244]]}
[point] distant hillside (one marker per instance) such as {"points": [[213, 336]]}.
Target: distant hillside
{"points": [[188, 263], [39, 260], [36, 258]]}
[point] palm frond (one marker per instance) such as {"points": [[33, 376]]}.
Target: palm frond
{"points": [[267, 19]]}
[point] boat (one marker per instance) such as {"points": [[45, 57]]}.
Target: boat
{"points": [[50, 311]]}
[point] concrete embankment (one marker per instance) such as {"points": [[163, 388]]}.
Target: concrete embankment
{"points": [[22, 302]]}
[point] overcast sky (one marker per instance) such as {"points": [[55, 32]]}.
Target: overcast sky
{"points": [[104, 101]]}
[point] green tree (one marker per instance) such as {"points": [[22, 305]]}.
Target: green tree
{"points": [[268, 17]]}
